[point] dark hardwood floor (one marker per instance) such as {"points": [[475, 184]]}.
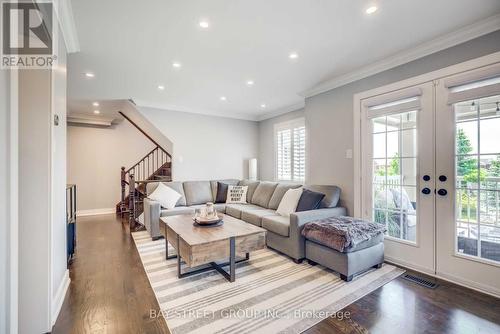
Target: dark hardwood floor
{"points": [[110, 293]]}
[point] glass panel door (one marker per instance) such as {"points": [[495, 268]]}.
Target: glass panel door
{"points": [[394, 159], [477, 170], [397, 153], [467, 186]]}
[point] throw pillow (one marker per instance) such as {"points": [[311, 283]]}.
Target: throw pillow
{"points": [[289, 202], [221, 192], [166, 196], [310, 200], [236, 194]]}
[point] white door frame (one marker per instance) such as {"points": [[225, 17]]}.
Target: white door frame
{"points": [[357, 149]]}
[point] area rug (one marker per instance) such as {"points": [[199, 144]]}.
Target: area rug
{"points": [[272, 294]]}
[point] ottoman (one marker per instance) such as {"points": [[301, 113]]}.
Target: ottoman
{"points": [[356, 255]]}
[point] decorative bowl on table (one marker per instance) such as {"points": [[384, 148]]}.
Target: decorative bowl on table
{"points": [[207, 216]]}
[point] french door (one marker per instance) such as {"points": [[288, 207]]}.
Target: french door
{"points": [[398, 164], [468, 184], [430, 164]]}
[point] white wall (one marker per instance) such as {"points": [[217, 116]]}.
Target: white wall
{"points": [[34, 194], [206, 147], [95, 156], [5, 223], [59, 271], [329, 116]]}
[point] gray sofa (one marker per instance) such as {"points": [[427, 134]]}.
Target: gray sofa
{"points": [[263, 198]]}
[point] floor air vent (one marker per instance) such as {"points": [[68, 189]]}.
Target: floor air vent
{"points": [[420, 281]]}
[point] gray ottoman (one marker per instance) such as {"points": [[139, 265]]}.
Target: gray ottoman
{"points": [[351, 260]]}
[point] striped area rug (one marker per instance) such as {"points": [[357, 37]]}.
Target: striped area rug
{"points": [[272, 294]]}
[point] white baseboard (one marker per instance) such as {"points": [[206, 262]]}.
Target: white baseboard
{"points": [[447, 277], [93, 212], [59, 297]]}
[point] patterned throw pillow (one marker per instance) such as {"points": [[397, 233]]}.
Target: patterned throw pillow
{"points": [[236, 194]]}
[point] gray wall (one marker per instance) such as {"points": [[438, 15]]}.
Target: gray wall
{"points": [[95, 156], [329, 116], [206, 147]]}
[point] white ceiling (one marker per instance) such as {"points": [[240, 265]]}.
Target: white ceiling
{"points": [[130, 47]]}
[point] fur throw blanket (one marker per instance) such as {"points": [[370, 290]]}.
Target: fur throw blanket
{"points": [[341, 232]]}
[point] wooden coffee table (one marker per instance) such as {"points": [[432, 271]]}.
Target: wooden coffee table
{"points": [[203, 246]]}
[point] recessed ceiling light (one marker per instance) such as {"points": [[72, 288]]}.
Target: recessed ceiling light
{"points": [[223, 98], [250, 83], [97, 112], [204, 24], [89, 75], [161, 87], [95, 104], [371, 10], [176, 65], [263, 106], [293, 55]]}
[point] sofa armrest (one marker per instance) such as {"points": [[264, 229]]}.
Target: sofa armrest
{"points": [[299, 219], [152, 211]]}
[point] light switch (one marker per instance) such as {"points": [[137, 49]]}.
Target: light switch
{"points": [[348, 154]]}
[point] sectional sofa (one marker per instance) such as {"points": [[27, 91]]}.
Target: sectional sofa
{"points": [[263, 198]]}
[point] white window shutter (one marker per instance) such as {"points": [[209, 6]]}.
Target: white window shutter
{"points": [[290, 149]]}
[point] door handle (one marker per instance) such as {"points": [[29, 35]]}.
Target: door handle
{"points": [[426, 191], [442, 192], [443, 178]]}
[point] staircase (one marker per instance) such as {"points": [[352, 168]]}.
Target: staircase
{"points": [[155, 166]]}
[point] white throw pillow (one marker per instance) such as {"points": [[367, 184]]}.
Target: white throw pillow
{"points": [[289, 202], [236, 194], [166, 196]]}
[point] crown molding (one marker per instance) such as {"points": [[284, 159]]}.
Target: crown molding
{"points": [[64, 12], [281, 111], [443, 42]]}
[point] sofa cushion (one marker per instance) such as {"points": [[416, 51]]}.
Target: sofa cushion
{"points": [[289, 202], [279, 192], [213, 185], [263, 193], [332, 195], [234, 210], [177, 186], [310, 200], [277, 224], [254, 216], [221, 195], [166, 196], [197, 192], [252, 185]]}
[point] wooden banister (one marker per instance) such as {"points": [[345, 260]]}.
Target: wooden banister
{"points": [[154, 165], [144, 133]]}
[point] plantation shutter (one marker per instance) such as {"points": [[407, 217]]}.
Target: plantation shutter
{"points": [[299, 153], [290, 151], [284, 152]]}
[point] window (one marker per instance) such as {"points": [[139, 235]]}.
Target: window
{"points": [[290, 148]]}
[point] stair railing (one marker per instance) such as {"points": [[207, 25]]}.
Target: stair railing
{"points": [[153, 166]]}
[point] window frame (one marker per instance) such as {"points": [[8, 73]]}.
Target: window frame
{"points": [[291, 125]]}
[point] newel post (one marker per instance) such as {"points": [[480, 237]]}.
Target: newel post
{"points": [[131, 195], [122, 183]]}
